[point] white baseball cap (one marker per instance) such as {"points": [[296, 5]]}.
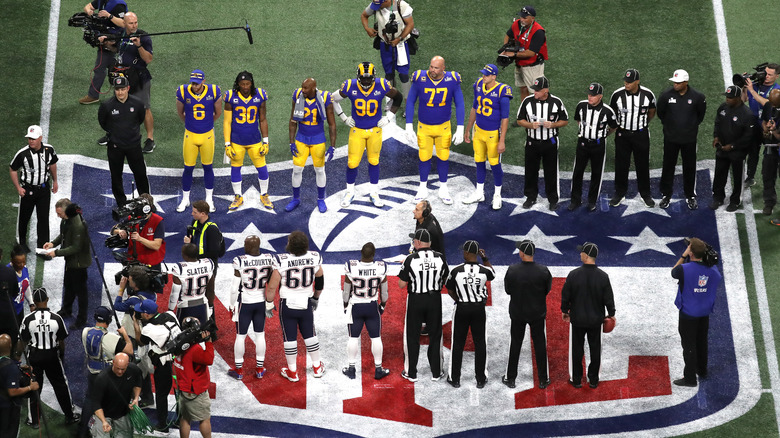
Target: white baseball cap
{"points": [[679, 76], [34, 131]]}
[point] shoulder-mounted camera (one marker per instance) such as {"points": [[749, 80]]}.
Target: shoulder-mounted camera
{"points": [[740, 80]]}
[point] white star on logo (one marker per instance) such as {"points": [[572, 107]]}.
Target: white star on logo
{"points": [[637, 205], [541, 240], [647, 240], [252, 200], [539, 207], [265, 238]]}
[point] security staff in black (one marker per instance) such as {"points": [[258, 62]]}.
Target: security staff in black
{"points": [[467, 285], [12, 389], [586, 293], [423, 274], [44, 333], [541, 114], [595, 122], [527, 285], [424, 219], [121, 117], [634, 106], [206, 235], [733, 134], [34, 175], [681, 109], [770, 125]]}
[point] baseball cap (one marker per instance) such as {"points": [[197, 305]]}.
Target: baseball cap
{"points": [[34, 131], [679, 76], [120, 82], [39, 295], [594, 89], [526, 11], [631, 75], [471, 247], [376, 5], [102, 314], [197, 76], [526, 247], [590, 249], [422, 235], [733, 91], [146, 306], [540, 83], [489, 69]]}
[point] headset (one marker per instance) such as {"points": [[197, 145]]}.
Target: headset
{"points": [[426, 208]]}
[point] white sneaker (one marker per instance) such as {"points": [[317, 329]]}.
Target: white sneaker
{"points": [[378, 202], [210, 202], [349, 195], [496, 202], [422, 193], [444, 194], [183, 205], [476, 196]]}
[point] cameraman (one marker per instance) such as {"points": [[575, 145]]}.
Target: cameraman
{"points": [[11, 392], [136, 284], [111, 14], [757, 96], [208, 238], [733, 133], [394, 22], [698, 282], [149, 233], [192, 376], [532, 40]]}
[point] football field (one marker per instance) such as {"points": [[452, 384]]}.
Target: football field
{"points": [[45, 70]]}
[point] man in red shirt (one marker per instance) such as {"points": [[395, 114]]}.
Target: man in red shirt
{"points": [[529, 60], [192, 375]]}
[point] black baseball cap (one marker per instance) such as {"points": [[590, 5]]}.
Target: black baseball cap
{"points": [[594, 89], [422, 235], [540, 83], [590, 249], [102, 314], [526, 11], [631, 75], [120, 82], [471, 247], [526, 247], [733, 91], [40, 295]]}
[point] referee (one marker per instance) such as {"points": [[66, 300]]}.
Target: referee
{"points": [[467, 285], [44, 332], [541, 114], [634, 106], [596, 121], [423, 274], [37, 164]]}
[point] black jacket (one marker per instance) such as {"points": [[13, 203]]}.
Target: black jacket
{"points": [[681, 115], [585, 294], [431, 224], [528, 284], [737, 132], [122, 121]]}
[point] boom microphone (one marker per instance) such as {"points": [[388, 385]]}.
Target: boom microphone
{"points": [[249, 33]]}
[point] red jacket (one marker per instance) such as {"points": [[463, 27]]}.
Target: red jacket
{"points": [[192, 368], [145, 255]]}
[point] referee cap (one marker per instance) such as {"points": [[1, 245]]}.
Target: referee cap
{"points": [[632, 75], [102, 314], [733, 91], [471, 247], [679, 76], [197, 76], [489, 69], [40, 296], [540, 83], [526, 247], [590, 249], [34, 131], [526, 11], [595, 89], [146, 306], [422, 235]]}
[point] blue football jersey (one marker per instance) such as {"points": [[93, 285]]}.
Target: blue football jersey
{"points": [[366, 105], [311, 130], [488, 104], [245, 128], [198, 108], [435, 97]]}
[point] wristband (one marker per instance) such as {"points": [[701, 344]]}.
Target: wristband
{"points": [[227, 144], [265, 140]]}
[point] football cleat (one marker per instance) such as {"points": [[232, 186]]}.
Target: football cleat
{"points": [[497, 202], [318, 370], [444, 195], [376, 200], [381, 373], [290, 375], [692, 204], [422, 193], [183, 205], [349, 195], [293, 205], [238, 201], [649, 202], [236, 374], [260, 372], [349, 372], [322, 206], [266, 201], [406, 376], [475, 196], [616, 201], [529, 203], [366, 73]]}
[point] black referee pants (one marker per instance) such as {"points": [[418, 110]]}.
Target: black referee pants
{"points": [[546, 153], [638, 144], [693, 336], [75, 286], [735, 161], [769, 171], [423, 308], [38, 199], [688, 153], [539, 338], [595, 153], [48, 362], [135, 160], [577, 340], [468, 315]]}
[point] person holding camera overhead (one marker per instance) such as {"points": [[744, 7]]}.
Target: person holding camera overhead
{"points": [[110, 13], [698, 283], [145, 239], [73, 241], [756, 95], [192, 376], [11, 382], [733, 134]]}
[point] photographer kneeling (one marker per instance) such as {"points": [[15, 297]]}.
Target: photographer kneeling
{"points": [[192, 375], [14, 388], [142, 229]]}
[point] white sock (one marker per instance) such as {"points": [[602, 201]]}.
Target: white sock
{"points": [[185, 197], [263, 186], [297, 176], [238, 350], [209, 196], [291, 354], [260, 346], [498, 191], [236, 187], [353, 348], [375, 189], [480, 187], [376, 349], [319, 173], [351, 187], [313, 347]]}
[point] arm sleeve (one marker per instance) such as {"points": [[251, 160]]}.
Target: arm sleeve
{"points": [[460, 109], [411, 98], [505, 107], [383, 293], [609, 298]]}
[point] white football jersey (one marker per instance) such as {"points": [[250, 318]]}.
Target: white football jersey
{"points": [[255, 272], [297, 273], [194, 277], [366, 279]]}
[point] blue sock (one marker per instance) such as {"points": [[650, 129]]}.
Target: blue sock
{"points": [[186, 178], [425, 170], [351, 175], [296, 193], [321, 192], [208, 176], [498, 174], [443, 167], [481, 171], [373, 173], [262, 172], [235, 174]]}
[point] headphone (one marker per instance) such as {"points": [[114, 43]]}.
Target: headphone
{"points": [[426, 208]]}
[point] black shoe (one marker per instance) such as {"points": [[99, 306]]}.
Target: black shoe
{"points": [[683, 382], [74, 419], [593, 385], [349, 371], [768, 209], [702, 375], [665, 201], [453, 384], [32, 425], [692, 204], [381, 373], [577, 385], [732, 207], [649, 202], [591, 206], [750, 182], [481, 384], [544, 383], [616, 200], [508, 382], [715, 204], [574, 204], [529, 203], [103, 141], [149, 146], [553, 206]]}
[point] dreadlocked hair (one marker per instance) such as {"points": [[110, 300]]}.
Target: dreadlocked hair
{"points": [[245, 75]]}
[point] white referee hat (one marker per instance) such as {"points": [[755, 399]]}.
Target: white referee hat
{"points": [[34, 131], [679, 76]]}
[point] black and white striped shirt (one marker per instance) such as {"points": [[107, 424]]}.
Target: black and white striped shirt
{"points": [[632, 110], [594, 121], [425, 272], [33, 166], [469, 281], [43, 330], [534, 110]]}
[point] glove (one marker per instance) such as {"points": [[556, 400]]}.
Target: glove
{"points": [[386, 120], [263, 149], [411, 136], [329, 153], [269, 311], [350, 122], [229, 151], [314, 303], [458, 137], [293, 149], [382, 308]]}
